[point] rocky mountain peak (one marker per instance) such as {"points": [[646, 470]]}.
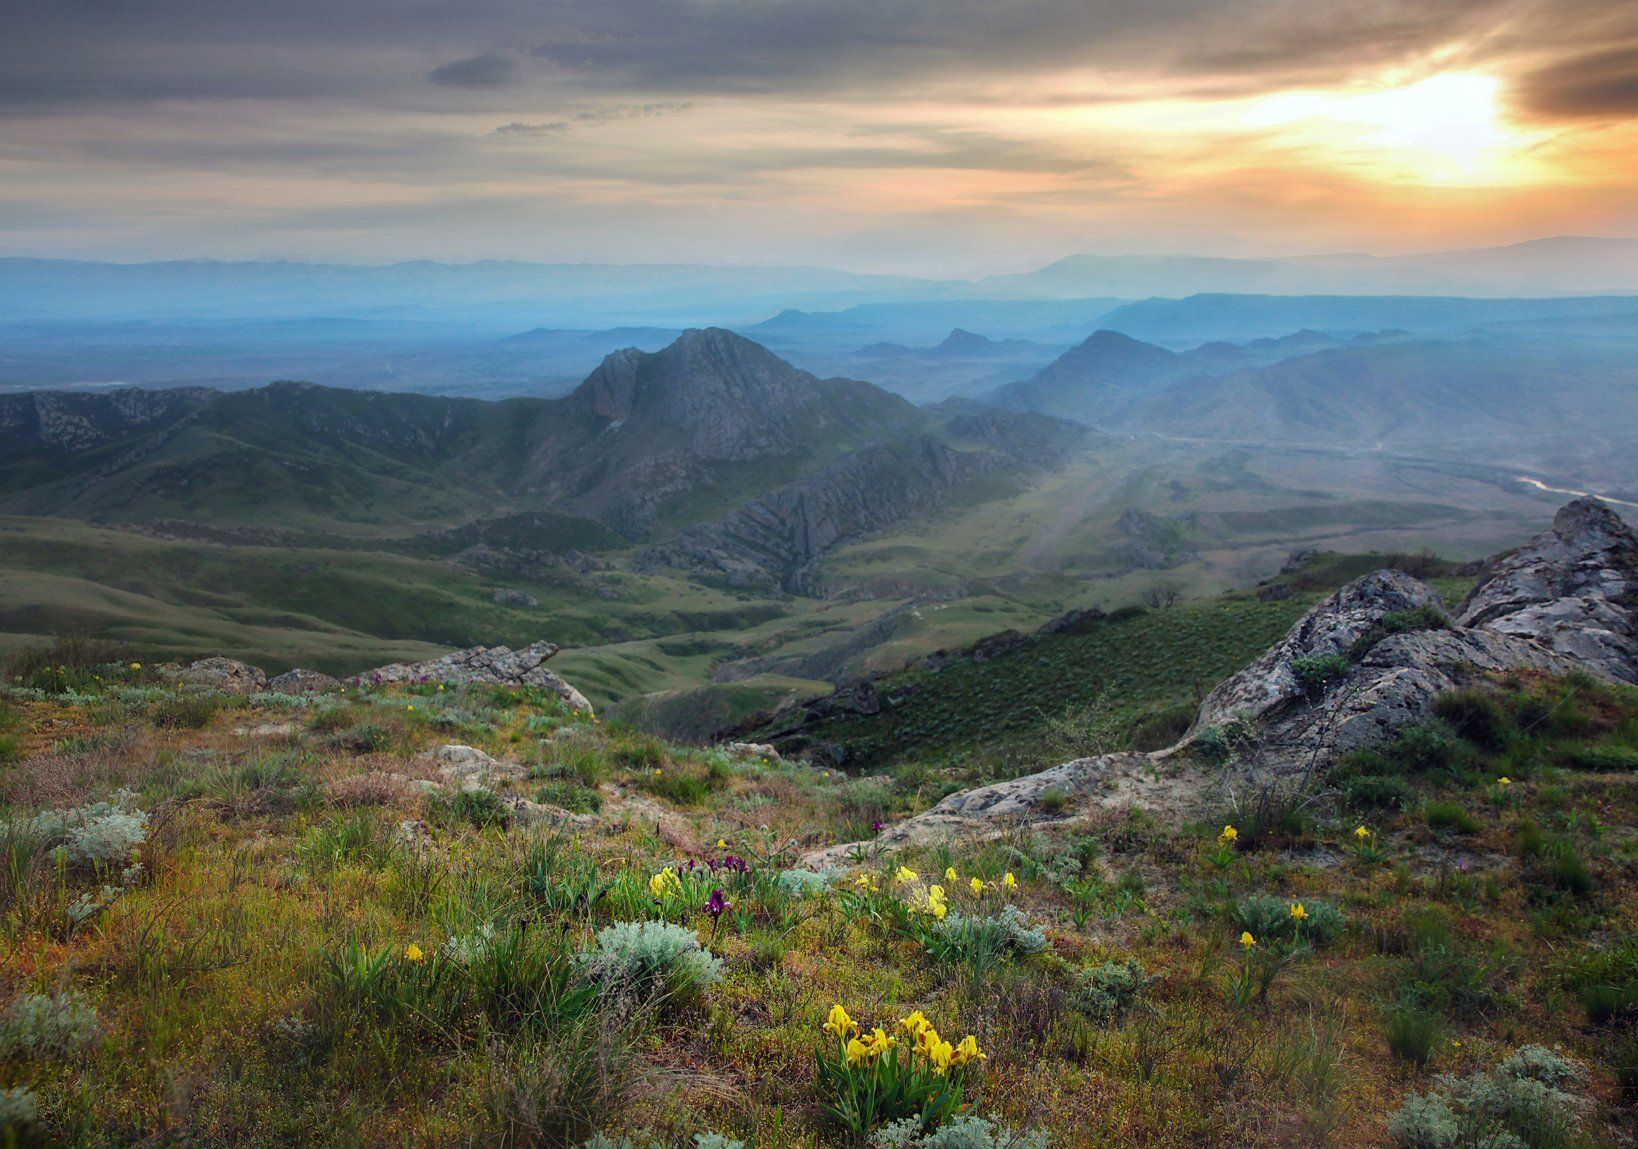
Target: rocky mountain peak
{"points": [[732, 398]]}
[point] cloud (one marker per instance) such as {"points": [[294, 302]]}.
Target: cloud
{"points": [[518, 128], [1601, 84], [490, 70]]}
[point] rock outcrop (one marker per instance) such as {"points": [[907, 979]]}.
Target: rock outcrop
{"points": [[499, 665], [300, 681], [1355, 670], [1573, 589], [228, 675]]}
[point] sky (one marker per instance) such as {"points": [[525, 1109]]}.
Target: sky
{"points": [[945, 137]]}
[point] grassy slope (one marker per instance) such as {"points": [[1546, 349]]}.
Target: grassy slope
{"points": [[223, 1021], [1140, 672]]}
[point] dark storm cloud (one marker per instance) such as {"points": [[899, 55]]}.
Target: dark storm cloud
{"points": [[490, 70], [1601, 84], [74, 51]]}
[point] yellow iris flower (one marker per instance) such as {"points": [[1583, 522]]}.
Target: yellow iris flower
{"points": [[840, 1023], [413, 954], [1362, 833], [1228, 835], [977, 886], [1299, 912], [904, 874], [1247, 941], [950, 876], [967, 1051], [1009, 881], [665, 882]]}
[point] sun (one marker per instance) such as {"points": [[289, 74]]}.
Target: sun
{"points": [[1448, 129]]}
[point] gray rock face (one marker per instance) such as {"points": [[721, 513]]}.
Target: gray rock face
{"points": [[1573, 589], [495, 664], [1332, 627], [228, 675], [300, 681]]}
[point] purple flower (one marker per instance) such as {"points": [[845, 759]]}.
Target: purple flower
{"points": [[715, 904], [876, 826], [737, 865]]}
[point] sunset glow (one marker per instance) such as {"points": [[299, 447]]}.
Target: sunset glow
{"points": [[794, 131]]}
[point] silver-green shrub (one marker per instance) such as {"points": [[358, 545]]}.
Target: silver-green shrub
{"points": [[41, 1025], [652, 958], [1521, 1103], [966, 1132]]}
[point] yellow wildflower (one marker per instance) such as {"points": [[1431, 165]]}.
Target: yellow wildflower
{"points": [[977, 885], [904, 874], [1298, 912], [1228, 835], [413, 954], [941, 1054], [950, 875], [1247, 941], [840, 1023], [877, 1043], [665, 882], [722, 844], [1504, 781], [1362, 833], [1009, 881], [136, 666], [857, 1051], [915, 1023], [967, 1051], [867, 882]]}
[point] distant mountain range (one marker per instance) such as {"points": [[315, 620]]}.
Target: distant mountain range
{"points": [[1559, 265], [1489, 396], [499, 295], [655, 446]]}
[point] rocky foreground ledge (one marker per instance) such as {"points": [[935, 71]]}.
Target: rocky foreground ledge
{"points": [[497, 665], [1355, 670]]}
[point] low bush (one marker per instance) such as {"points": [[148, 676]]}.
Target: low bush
{"points": [[1426, 747], [1398, 622], [1317, 674], [980, 942], [100, 836], [188, 710], [965, 1132], [1524, 1102], [657, 961], [1268, 918], [1109, 991], [48, 1025], [1476, 716]]}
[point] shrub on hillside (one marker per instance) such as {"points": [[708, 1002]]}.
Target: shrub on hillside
{"points": [[1523, 1103], [42, 1025], [97, 836], [652, 960], [1319, 673]]}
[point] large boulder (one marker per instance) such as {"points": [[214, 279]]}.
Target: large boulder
{"points": [[499, 665], [228, 675], [1573, 589], [300, 681]]}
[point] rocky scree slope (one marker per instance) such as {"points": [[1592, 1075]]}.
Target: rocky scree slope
{"points": [[1356, 669]]}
